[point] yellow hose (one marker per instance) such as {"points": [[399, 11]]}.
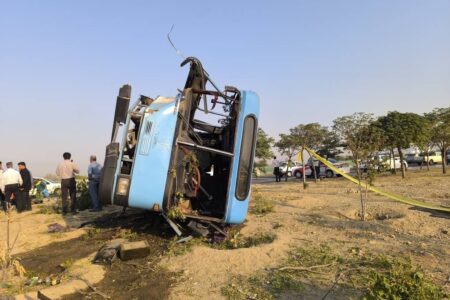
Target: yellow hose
{"points": [[390, 195]]}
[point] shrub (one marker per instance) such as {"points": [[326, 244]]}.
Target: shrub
{"points": [[83, 197], [398, 279], [262, 205], [235, 240]]}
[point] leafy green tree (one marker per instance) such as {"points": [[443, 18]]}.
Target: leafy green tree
{"points": [[289, 146], [330, 144], [263, 149], [425, 142], [311, 135], [401, 130], [440, 132], [362, 139]]}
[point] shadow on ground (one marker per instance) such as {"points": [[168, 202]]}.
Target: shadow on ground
{"points": [[137, 279]]}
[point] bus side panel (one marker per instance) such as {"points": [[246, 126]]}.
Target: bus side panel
{"points": [[237, 209], [152, 157]]}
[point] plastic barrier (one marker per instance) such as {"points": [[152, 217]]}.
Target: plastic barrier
{"points": [[390, 195]]}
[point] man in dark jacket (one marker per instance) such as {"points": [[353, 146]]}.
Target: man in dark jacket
{"points": [[24, 189], [2, 196]]}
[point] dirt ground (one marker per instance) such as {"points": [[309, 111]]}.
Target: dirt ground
{"points": [[325, 213]]}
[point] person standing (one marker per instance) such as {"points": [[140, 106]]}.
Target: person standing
{"points": [[24, 189], [2, 196], [276, 169], [94, 173], [10, 182], [67, 170]]}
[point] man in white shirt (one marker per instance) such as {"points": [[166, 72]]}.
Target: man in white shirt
{"points": [[67, 170], [2, 197], [276, 169], [10, 182]]}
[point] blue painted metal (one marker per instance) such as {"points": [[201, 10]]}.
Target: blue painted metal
{"points": [[152, 156], [237, 209], [153, 153], [127, 124]]}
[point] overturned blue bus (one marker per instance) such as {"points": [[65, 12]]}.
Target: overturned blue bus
{"points": [[191, 154]]}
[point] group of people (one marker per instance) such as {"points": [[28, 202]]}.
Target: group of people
{"points": [[313, 164], [15, 185], [67, 171]]}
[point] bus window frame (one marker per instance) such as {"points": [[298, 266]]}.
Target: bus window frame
{"points": [[252, 158]]}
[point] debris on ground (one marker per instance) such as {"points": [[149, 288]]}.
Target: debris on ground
{"points": [[56, 227], [185, 239], [108, 252], [132, 250], [198, 228], [61, 290]]}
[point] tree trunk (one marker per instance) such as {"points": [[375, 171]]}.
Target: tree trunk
{"points": [[287, 168], [428, 161], [444, 160], [304, 169], [393, 171], [363, 202], [400, 152]]}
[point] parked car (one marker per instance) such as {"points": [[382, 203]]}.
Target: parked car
{"points": [[396, 163], [414, 159], [53, 187], [384, 162], [433, 157], [293, 165], [324, 170]]}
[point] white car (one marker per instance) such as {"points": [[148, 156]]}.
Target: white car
{"points": [[292, 166], [324, 170], [53, 187], [395, 163], [385, 162]]}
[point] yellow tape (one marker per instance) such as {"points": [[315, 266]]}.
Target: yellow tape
{"points": [[392, 196]]}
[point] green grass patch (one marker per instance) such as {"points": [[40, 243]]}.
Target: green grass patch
{"points": [[67, 264], [127, 234], [366, 276], [91, 233], [241, 289], [262, 205], [48, 209], [399, 279], [235, 240]]}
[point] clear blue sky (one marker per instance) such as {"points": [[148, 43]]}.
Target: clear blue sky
{"points": [[62, 62]]}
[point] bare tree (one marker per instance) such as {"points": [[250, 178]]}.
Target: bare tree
{"points": [[362, 139]]}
